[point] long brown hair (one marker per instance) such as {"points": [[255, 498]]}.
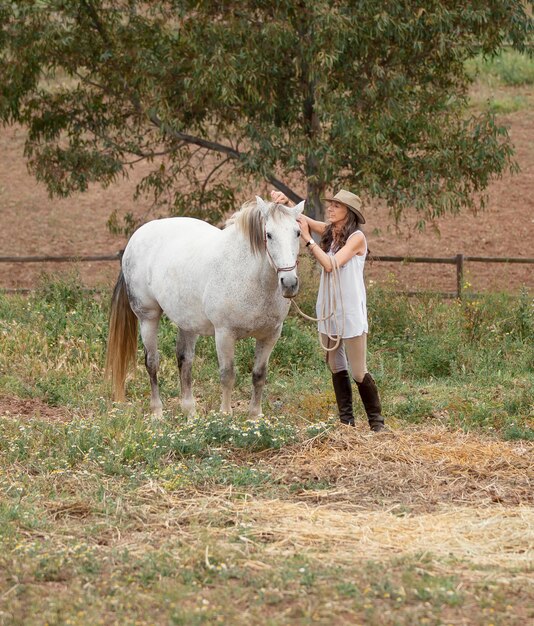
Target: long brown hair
{"points": [[352, 224]]}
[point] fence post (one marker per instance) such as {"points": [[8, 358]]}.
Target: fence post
{"points": [[459, 275]]}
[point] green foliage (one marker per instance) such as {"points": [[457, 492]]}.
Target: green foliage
{"points": [[435, 338], [106, 514], [508, 104], [517, 432], [415, 409], [223, 94], [508, 68], [59, 333], [69, 311], [254, 434], [297, 348], [471, 362], [123, 438]]}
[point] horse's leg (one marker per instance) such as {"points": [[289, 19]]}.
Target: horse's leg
{"points": [[264, 347], [225, 343], [185, 351], [149, 335]]}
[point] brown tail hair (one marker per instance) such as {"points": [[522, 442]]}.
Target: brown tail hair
{"points": [[122, 339]]}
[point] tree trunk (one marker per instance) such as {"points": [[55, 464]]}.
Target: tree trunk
{"points": [[315, 181], [314, 205]]}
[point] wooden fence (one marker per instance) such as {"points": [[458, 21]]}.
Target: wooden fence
{"points": [[458, 260]]}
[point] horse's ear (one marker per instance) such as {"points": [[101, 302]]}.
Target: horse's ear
{"points": [[262, 205], [297, 210]]}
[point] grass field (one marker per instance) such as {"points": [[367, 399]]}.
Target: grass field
{"points": [[502, 83], [108, 517]]}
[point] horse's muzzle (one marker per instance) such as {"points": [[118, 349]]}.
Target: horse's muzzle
{"points": [[290, 285]]}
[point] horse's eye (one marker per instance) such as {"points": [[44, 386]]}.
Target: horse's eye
{"points": [[298, 233], [269, 236]]}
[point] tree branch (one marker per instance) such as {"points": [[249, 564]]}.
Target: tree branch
{"points": [[143, 157], [198, 141], [128, 150], [285, 189], [208, 177], [91, 11], [218, 147]]}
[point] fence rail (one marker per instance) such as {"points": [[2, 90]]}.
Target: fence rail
{"points": [[458, 260], [60, 259]]}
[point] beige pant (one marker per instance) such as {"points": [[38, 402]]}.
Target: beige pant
{"points": [[353, 350]]}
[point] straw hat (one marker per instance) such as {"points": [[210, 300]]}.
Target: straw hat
{"points": [[350, 200]]}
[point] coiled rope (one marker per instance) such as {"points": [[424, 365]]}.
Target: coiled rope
{"points": [[330, 298]]}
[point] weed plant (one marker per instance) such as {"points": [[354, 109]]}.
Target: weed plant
{"points": [[109, 516], [502, 84], [509, 68], [469, 363]]}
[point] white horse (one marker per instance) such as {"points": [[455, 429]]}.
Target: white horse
{"points": [[231, 283]]}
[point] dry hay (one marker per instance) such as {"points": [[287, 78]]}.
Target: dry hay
{"points": [[260, 530], [496, 536], [451, 494], [413, 467], [459, 497]]}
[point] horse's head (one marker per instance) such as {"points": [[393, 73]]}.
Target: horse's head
{"points": [[281, 234]]}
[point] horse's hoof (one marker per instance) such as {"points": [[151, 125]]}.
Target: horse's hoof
{"points": [[157, 413], [189, 407]]}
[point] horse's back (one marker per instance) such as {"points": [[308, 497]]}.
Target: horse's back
{"points": [[164, 265], [158, 234]]}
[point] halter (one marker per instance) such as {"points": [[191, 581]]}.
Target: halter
{"points": [[271, 260]]}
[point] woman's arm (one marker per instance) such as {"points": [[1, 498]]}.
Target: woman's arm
{"points": [[354, 246], [316, 226]]}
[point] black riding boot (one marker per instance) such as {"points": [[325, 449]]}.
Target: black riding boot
{"points": [[343, 390], [371, 402]]}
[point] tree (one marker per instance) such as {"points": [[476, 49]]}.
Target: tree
{"points": [[367, 95]]}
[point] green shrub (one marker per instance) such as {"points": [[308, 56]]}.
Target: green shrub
{"points": [[507, 104], [414, 409], [517, 432], [509, 68], [434, 356], [391, 315], [476, 356]]}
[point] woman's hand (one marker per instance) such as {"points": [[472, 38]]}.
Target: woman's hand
{"points": [[304, 228], [280, 198]]}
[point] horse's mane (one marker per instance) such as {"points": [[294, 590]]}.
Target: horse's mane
{"points": [[250, 222]]}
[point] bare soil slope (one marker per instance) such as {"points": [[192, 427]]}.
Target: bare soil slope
{"points": [[34, 224]]}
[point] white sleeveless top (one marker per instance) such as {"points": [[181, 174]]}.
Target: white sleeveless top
{"points": [[352, 287]]}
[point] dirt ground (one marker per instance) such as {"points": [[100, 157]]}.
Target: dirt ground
{"points": [[34, 224]]}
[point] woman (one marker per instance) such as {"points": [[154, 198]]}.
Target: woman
{"points": [[342, 239]]}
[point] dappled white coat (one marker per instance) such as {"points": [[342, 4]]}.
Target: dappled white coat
{"points": [[231, 283], [203, 278]]}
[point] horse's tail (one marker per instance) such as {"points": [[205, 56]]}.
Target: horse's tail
{"points": [[122, 339]]}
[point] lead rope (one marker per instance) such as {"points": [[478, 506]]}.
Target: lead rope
{"points": [[330, 289]]}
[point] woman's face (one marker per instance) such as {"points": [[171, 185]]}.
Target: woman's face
{"points": [[336, 213]]}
